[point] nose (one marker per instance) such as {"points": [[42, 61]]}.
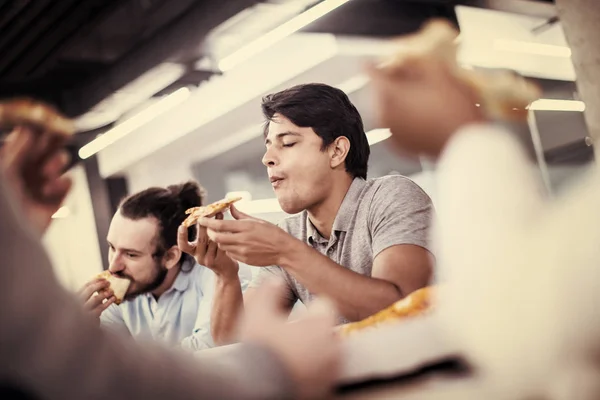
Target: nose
{"points": [[270, 158], [116, 264]]}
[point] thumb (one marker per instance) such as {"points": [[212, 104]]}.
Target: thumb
{"points": [[237, 214]]}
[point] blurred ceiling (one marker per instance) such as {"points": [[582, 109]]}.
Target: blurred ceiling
{"points": [[75, 53], [107, 57]]}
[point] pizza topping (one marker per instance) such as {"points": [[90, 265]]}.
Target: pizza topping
{"points": [[415, 304]]}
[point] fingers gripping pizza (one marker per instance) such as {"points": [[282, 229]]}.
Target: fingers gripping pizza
{"points": [[208, 211], [118, 285]]}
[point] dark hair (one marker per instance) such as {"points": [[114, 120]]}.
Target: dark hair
{"points": [[329, 112], [167, 205]]}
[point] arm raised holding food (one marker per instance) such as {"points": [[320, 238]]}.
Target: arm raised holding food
{"points": [[227, 300], [32, 159]]}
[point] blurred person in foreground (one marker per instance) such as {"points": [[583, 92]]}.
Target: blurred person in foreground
{"points": [[522, 266], [361, 242], [52, 349], [170, 295]]}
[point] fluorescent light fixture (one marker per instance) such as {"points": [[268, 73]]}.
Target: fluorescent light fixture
{"points": [[246, 196], [279, 33], [62, 212], [262, 206], [557, 105], [378, 135], [353, 84], [516, 46], [130, 96], [133, 123]]}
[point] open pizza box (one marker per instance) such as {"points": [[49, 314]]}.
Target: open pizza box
{"points": [[386, 352]]}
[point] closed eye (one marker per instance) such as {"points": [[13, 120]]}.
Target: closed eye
{"points": [[289, 144]]}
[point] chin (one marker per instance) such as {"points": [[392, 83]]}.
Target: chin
{"points": [[290, 206]]}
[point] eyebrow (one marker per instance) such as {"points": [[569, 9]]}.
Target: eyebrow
{"points": [[125, 250], [282, 135]]}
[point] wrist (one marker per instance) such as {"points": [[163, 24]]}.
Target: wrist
{"points": [[228, 277], [290, 249]]}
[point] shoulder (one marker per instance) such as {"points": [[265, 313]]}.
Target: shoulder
{"points": [[396, 188]]}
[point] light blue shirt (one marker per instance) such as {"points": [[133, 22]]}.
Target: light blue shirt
{"points": [[181, 315]]}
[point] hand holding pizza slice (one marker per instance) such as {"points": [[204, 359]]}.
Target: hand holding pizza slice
{"points": [[32, 159], [424, 96]]}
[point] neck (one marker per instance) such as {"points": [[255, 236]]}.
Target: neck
{"points": [[323, 214], [168, 282]]}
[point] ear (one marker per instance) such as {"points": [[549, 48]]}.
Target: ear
{"points": [[172, 257], [338, 151]]}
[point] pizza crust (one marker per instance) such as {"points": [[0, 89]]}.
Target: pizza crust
{"points": [[208, 211], [118, 285], [28, 112], [415, 304], [502, 94], [47, 124]]}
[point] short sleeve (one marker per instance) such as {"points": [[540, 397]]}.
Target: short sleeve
{"points": [[400, 213]]}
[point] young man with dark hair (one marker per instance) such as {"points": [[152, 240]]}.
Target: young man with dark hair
{"points": [[361, 243], [170, 296]]}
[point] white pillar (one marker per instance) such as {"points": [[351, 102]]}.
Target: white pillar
{"points": [[581, 23]]}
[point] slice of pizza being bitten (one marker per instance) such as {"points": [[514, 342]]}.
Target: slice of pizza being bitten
{"points": [[118, 285], [195, 213]]}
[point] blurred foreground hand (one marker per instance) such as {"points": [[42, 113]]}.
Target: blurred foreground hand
{"points": [[308, 346], [423, 103], [33, 166]]}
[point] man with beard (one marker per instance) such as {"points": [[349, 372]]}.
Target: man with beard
{"points": [[170, 296]]}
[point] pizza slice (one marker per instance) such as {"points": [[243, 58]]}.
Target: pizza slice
{"points": [[28, 112], [208, 211], [118, 285], [502, 94], [51, 128], [415, 304]]}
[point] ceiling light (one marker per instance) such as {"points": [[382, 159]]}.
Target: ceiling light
{"points": [[353, 84], [378, 135], [281, 32], [130, 96], [557, 105], [245, 195], [62, 212], [516, 46], [262, 206], [136, 121]]}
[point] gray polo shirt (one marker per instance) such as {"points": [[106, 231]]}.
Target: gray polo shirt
{"points": [[375, 214]]}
